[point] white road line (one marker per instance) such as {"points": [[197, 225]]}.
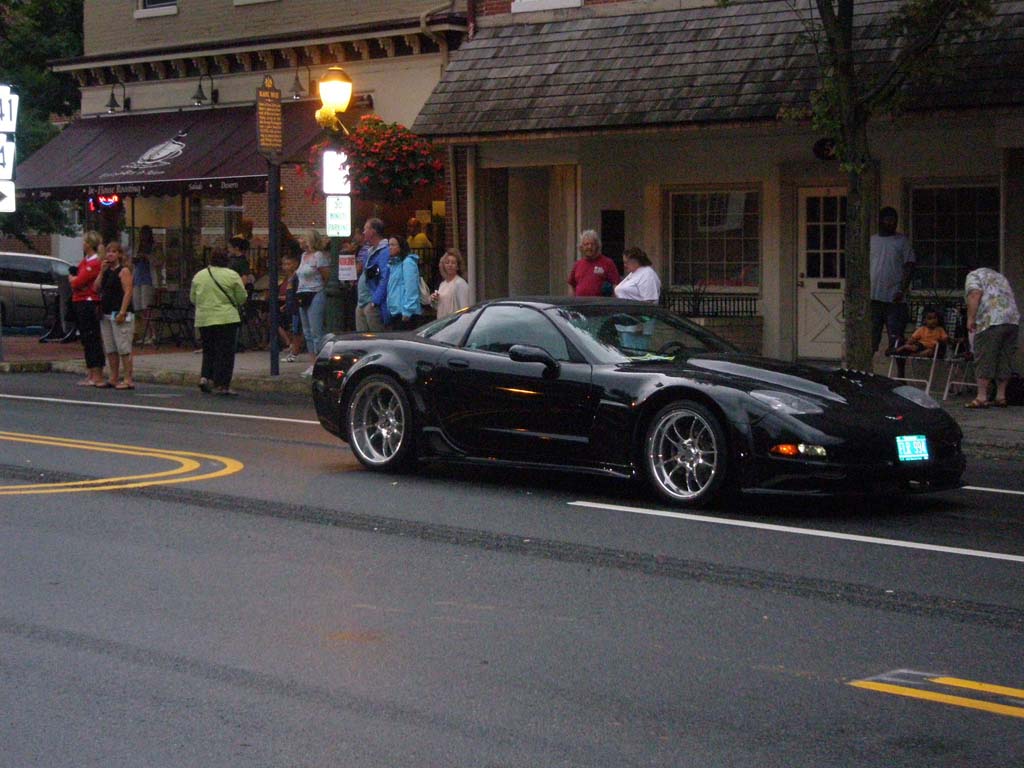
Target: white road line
{"points": [[802, 531], [159, 408], [991, 490]]}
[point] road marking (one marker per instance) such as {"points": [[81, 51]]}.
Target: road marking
{"points": [[223, 414], [188, 463], [991, 490], [802, 531], [1000, 690], [915, 688]]}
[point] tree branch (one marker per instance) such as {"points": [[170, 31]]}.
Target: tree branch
{"points": [[895, 74]]}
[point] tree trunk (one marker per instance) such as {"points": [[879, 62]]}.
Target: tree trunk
{"points": [[861, 211]]}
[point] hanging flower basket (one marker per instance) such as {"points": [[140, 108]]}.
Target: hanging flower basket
{"points": [[386, 161]]}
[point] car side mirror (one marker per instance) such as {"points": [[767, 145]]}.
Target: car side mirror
{"points": [[527, 353]]}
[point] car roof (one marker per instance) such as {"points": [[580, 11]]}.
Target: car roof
{"points": [[33, 256], [548, 302]]}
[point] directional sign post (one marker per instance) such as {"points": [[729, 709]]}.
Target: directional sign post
{"points": [[6, 158], [7, 197]]}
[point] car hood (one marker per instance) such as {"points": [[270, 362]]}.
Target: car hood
{"points": [[752, 372]]}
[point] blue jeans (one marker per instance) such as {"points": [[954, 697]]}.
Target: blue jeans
{"points": [[313, 322]]}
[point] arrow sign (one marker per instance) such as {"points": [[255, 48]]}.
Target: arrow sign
{"points": [[8, 109], [6, 158], [6, 197]]}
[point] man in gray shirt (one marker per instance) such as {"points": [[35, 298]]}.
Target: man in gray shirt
{"points": [[892, 266]]}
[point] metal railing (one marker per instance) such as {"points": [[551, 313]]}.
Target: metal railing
{"points": [[703, 304]]}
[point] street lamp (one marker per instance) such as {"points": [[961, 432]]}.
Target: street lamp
{"points": [[335, 95]]}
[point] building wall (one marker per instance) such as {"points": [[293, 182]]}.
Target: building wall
{"points": [[636, 173]]}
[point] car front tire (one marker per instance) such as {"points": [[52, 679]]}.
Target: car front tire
{"points": [[685, 455], [379, 422]]}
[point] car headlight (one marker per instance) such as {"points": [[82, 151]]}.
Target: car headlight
{"points": [[916, 396], [786, 402]]}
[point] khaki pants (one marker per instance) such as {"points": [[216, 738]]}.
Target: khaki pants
{"points": [[368, 319]]}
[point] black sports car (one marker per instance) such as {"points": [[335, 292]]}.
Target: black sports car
{"points": [[625, 388]]}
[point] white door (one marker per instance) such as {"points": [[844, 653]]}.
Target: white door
{"points": [[821, 273]]}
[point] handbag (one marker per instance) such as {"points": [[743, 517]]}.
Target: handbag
{"points": [[424, 293], [231, 301]]}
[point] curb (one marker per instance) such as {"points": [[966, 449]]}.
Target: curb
{"points": [[27, 366], [241, 382]]}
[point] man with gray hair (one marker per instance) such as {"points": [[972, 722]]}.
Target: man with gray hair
{"points": [[594, 274]]}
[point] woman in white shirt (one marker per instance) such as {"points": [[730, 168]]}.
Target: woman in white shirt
{"points": [[453, 292], [641, 282]]}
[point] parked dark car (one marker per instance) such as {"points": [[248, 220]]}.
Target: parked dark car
{"points": [[626, 389], [29, 288]]}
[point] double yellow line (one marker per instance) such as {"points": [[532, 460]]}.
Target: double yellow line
{"points": [[188, 470], [1014, 694]]}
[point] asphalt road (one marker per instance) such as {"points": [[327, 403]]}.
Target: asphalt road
{"points": [[269, 603]]}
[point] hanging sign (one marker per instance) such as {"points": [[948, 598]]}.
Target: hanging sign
{"points": [[339, 216], [268, 118]]}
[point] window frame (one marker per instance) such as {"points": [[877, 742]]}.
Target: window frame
{"points": [[530, 6], [712, 189], [143, 9], [911, 186]]}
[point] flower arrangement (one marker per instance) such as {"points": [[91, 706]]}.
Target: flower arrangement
{"points": [[386, 161]]}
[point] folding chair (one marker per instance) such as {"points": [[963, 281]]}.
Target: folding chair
{"points": [[909, 361], [961, 368]]}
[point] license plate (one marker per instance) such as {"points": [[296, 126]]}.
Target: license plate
{"points": [[912, 447]]}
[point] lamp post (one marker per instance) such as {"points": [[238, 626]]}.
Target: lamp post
{"points": [[335, 95]]}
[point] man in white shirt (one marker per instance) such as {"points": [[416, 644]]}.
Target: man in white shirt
{"points": [[892, 266]]}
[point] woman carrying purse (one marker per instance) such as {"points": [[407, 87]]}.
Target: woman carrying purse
{"points": [[218, 292]]}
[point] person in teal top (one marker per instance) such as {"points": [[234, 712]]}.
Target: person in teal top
{"points": [[218, 294], [403, 286]]}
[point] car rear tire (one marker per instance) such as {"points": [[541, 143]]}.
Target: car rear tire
{"points": [[685, 455], [378, 419]]}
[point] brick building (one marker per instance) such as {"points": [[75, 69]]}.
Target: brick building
{"points": [[188, 166]]}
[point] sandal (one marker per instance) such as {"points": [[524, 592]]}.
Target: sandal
{"points": [[977, 404], [104, 385], [1000, 404]]}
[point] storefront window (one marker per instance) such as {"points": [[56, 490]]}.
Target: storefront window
{"points": [[953, 230], [716, 239]]}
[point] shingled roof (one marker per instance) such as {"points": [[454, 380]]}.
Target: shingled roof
{"points": [[741, 62]]}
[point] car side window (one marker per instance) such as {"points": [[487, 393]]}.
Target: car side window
{"points": [[450, 330], [502, 326]]}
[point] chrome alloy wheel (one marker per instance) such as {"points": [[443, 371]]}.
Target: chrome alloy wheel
{"points": [[378, 422], [683, 454]]}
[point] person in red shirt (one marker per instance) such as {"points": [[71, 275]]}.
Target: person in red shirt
{"points": [[86, 304], [594, 274]]}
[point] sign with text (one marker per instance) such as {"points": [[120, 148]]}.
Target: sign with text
{"points": [[334, 172], [8, 109], [6, 158], [347, 267], [268, 118], [6, 197], [339, 216]]}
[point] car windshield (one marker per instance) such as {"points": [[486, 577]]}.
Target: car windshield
{"points": [[614, 334]]}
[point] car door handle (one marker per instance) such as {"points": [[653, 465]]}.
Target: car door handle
{"points": [[458, 362]]}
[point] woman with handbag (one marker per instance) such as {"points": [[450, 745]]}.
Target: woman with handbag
{"points": [[313, 273], [218, 294]]}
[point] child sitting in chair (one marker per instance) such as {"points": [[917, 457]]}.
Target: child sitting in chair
{"points": [[924, 340]]}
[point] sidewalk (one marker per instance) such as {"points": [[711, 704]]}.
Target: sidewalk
{"points": [[992, 432]]}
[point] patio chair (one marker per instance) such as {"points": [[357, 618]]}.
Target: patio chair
{"points": [[960, 372], [904, 366]]}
